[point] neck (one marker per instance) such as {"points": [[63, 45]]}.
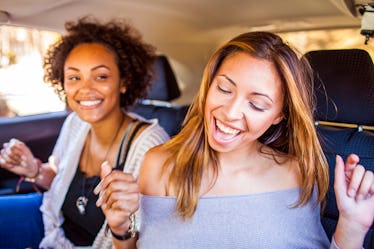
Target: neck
{"points": [[101, 145], [239, 157], [103, 132]]}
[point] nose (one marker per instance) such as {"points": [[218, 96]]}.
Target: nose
{"points": [[86, 84], [233, 109]]}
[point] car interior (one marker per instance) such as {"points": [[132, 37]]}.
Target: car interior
{"points": [[186, 32], [158, 102], [344, 115]]}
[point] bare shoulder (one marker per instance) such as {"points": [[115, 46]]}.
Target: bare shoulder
{"points": [[283, 172], [289, 172], [152, 181]]}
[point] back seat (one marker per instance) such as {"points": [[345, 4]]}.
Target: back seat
{"points": [[344, 89], [158, 102]]}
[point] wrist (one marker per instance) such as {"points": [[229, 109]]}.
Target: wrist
{"points": [[32, 179], [124, 228], [349, 234], [124, 236], [130, 232], [36, 162]]}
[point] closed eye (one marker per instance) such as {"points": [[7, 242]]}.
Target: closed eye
{"points": [[222, 89], [256, 107]]}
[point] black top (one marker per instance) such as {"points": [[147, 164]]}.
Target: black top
{"points": [[80, 229]]}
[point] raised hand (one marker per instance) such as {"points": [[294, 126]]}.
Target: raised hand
{"points": [[354, 189], [16, 157], [118, 198]]}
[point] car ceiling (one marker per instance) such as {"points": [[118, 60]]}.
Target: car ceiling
{"points": [[187, 31]]}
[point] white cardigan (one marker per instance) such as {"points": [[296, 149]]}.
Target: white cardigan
{"points": [[67, 152]]}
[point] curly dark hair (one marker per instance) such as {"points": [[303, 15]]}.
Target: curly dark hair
{"points": [[134, 57]]}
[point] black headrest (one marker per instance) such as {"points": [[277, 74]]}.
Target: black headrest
{"points": [[344, 85], [164, 85]]}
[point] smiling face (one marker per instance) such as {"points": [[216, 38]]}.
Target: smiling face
{"points": [[244, 99], [92, 82]]}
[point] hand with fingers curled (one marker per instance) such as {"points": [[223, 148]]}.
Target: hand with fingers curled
{"points": [[118, 198], [16, 157], [354, 190]]}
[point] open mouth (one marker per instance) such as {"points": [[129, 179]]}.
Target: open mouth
{"points": [[89, 103], [225, 129]]}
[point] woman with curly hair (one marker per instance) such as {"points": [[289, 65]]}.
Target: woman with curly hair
{"points": [[100, 69]]}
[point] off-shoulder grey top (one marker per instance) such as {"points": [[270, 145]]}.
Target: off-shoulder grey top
{"points": [[263, 220]]}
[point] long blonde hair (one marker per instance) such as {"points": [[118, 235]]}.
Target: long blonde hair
{"points": [[294, 137]]}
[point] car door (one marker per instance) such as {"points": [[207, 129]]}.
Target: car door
{"points": [[39, 132]]}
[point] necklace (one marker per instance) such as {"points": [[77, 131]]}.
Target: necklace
{"points": [[82, 200]]}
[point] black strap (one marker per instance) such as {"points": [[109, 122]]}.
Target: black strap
{"points": [[123, 140], [125, 146]]}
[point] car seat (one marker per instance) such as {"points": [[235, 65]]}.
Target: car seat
{"points": [[157, 103], [21, 223], [344, 90]]}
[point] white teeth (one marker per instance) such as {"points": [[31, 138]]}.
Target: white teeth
{"points": [[226, 129], [89, 102]]}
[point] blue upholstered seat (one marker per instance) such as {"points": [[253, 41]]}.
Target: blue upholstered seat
{"points": [[21, 224], [344, 88]]}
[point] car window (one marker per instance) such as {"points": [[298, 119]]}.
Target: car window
{"points": [[305, 41], [23, 92]]}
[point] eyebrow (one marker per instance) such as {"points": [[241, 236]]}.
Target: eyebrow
{"points": [[94, 68], [255, 93]]}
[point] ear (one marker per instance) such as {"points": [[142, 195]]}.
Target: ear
{"points": [[122, 88], [278, 119]]}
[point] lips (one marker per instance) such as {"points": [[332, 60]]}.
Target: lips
{"points": [[225, 129], [89, 103], [223, 134]]}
